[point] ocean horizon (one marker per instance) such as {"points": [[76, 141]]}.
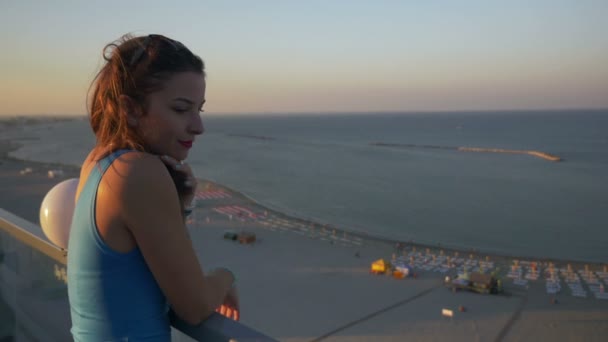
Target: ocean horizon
{"points": [[402, 176]]}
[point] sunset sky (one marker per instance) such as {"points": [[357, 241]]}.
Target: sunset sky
{"points": [[322, 56]]}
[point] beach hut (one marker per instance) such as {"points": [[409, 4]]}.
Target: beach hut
{"points": [[379, 266], [485, 283], [480, 280]]}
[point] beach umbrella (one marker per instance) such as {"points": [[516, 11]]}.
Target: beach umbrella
{"points": [[56, 212]]}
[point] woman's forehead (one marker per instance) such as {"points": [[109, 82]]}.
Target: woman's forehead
{"points": [[189, 85]]}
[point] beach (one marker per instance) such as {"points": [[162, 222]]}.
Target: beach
{"points": [[305, 280]]}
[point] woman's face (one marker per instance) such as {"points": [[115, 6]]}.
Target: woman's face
{"points": [[173, 119]]}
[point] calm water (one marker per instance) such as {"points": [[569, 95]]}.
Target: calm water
{"points": [[323, 167]]}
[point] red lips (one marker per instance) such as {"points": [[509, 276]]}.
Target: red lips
{"points": [[186, 144]]}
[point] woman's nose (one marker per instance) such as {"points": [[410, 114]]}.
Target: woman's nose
{"points": [[197, 127]]}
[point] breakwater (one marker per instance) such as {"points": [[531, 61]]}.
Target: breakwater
{"points": [[537, 154]]}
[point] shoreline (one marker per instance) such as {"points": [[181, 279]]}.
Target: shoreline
{"points": [[392, 241], [10, 146]]}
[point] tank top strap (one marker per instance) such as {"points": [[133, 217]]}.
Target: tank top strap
{"points": [[105, 162]]}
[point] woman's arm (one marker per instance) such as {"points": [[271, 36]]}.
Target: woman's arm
{"points": [[152, 212]]}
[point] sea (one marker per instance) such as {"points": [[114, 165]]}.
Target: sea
{"points": [[413, 186]]}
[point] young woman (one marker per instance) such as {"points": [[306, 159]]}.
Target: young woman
{"points": [[129, 254]]}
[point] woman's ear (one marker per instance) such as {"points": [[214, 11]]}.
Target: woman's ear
{"points": [[130, 109]]}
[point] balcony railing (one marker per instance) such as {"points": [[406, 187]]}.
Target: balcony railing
{"points": [[34, 300]]}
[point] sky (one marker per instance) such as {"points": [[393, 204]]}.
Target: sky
{"points": [[322, 56]]}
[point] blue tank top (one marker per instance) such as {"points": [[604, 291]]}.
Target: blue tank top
{"points": [[113, 296]]}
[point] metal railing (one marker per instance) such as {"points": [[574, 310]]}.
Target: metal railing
{"points": [[33, 292]]}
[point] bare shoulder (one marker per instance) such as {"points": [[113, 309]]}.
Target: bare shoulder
{"points": [[140, 164], [144, 187], [141, 172]]}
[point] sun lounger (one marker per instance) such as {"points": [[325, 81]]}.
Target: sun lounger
{"points": [[520, 282], [206, 195], [600, 295], [580, 294]]}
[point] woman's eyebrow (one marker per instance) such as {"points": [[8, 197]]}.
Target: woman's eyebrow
{"points": [[183, 99], [188, 101]]}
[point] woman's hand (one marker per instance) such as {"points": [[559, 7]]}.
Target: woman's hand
{"points": [[230, 307], [184, 180]]}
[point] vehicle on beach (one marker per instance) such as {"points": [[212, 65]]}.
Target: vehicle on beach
{"points": [[242, 237], [398, 270], [229, 235], [476, 282], [246, 237], [380, 266]]}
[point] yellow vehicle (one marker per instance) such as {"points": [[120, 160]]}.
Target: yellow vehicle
{"points": [[380, 266]]}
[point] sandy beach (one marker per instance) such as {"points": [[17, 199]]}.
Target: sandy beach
{"points": [[304, 281]]}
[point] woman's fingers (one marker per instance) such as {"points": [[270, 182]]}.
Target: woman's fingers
{"points": [[178, 165], [190, 182], [181, 166], [229, 312]]}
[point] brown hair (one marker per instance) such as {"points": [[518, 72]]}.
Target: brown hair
{"points": [[135, 67]]}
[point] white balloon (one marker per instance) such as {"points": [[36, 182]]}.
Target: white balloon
{"points": [[56, 212]]}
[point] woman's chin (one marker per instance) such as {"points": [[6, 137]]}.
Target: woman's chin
{"points": [[181, 155]]}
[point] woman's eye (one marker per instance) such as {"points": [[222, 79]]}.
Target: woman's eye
{"points": [[179, 110]]}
